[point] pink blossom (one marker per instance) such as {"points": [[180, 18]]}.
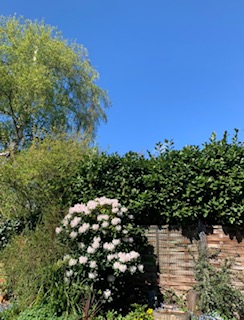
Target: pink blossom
{"points": [[108, 246], [92, 204], [116, 265], [101, 217], [115, 221], [91, 249], [115, 210], [95, 245], [122, 267], [58, 230], [105, 224], [110, 257], [96, 242], [95, 227], [75, 222], [73, 234], [79, 208], [116, 241], [83, 228], [83, 259], [123, 209], [93, 264], [72, 262]]}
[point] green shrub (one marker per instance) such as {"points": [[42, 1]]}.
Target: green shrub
{"points": [[215, 288], [29, 261]]}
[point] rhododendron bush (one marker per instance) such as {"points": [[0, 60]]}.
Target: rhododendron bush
{"points": [[100, 239]]}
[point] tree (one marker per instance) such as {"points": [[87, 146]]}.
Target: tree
{"points": [[46, 84]]}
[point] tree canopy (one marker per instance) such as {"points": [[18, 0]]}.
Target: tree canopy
{"points": [[46, 83]]}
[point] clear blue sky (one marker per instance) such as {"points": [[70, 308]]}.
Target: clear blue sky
{"points": [[174, 68]]}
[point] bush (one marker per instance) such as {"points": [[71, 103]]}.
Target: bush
{"points": [[30, 261], [39, 177], [217, 294], [101, 240]]}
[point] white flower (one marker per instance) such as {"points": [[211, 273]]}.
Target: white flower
{"points": [[132, 269], [73, 234], [116, 241], [92, 204], [118, 228], [107, 293], [130, 216], [72, 262], [69, 273], [83, 228], [115, 221], [116, 265], [105, 224], [66, 257], [110, 257], [92, 275], [115, 210], [123, 209], [125, 231], [101, 217], [122, 267], [95, 227], [83, 259], [58, 230], [75, 222], [96, 242], [130, 240], [93, 264], [140, 267], [79, 208], [91, 249], [108, 246]]}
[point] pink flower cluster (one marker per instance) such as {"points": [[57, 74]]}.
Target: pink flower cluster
{"points": [[99, 237]]}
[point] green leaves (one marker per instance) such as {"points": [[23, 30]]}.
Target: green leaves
{"points": [[45, 84]]}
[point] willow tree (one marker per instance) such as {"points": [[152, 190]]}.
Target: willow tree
{"points": [[46, 83]]}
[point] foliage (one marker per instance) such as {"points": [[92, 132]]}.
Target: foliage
{"points": [[102, 239], [140, 312], [40, 177], [217, 294], [30, 262], [8, 228], [172, 186], [47, 83], [38, 312]]}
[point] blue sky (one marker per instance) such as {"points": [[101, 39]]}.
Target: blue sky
{"points": [[173, 68]]}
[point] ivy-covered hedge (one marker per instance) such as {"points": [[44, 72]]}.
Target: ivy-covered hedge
{"points": [[174, 186]]}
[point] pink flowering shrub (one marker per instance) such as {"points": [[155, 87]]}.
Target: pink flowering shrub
{"points": [[100, 240]]}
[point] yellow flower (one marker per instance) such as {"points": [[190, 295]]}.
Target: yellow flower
{"points": [[149, 311]]}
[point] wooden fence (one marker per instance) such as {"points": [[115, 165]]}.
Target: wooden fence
{"points": [[177, 248]]}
